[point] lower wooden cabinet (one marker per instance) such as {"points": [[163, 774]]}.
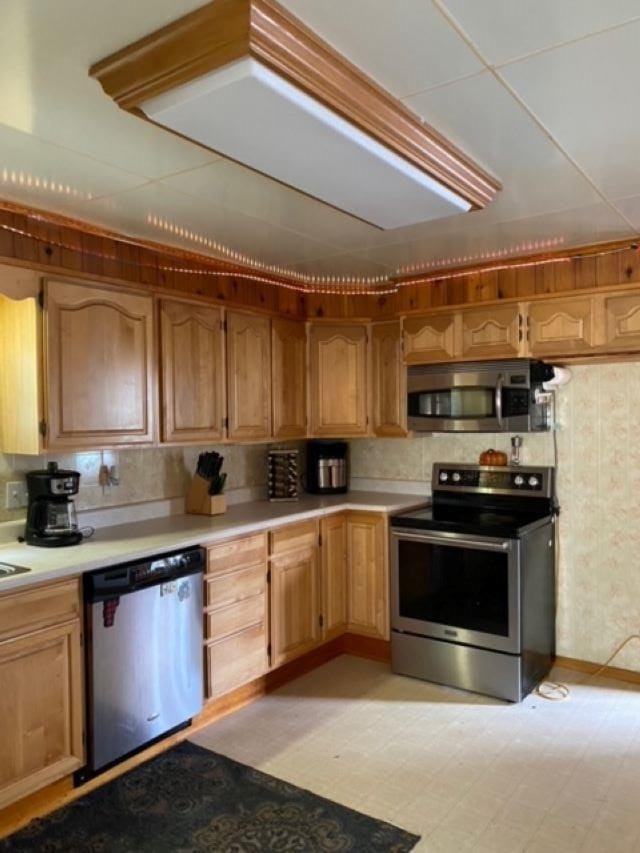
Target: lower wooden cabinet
{"points": [[41, 690], [333, 553], [236, 618], [295, 592], [368, 575]]}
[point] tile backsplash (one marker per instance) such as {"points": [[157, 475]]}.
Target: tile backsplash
{"points": [[598, 490]]}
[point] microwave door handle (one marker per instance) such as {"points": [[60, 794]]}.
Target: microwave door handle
{"points": [[498, 400]]}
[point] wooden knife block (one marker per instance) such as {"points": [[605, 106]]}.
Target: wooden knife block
{"points": [[200, 502]]}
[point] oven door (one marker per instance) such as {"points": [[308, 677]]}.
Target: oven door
{"points": [[456, 587]]}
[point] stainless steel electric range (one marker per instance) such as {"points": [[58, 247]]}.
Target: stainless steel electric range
{"points": [[473, 581]]}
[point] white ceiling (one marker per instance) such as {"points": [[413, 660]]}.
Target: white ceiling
{"points": [[541, 92]]}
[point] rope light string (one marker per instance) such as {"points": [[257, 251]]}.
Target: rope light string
{"points": [[306, 284]]}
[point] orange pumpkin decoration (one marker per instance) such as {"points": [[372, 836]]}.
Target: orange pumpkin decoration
{"points": [[493, 457]]}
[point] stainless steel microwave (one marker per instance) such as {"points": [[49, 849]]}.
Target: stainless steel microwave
{"points": [[492, 396]]}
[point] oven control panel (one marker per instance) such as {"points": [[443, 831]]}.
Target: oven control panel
{"points": [[481, 478]]}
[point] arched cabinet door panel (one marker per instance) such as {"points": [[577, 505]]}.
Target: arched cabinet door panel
{"points": [[192, 377], [289, 378], [248, 376], [100, 366], [388, 380], [338, 380]]}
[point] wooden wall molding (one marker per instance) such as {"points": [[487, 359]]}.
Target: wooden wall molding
{"points": [[227, 30], [55, 244]]}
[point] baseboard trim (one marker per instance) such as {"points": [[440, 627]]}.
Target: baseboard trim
{"points": [[58, 794], [589, 668]]}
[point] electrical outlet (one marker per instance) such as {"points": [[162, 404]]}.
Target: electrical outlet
{"points": [[17, 495]]}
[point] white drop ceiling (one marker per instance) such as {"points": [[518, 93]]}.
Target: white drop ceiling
{"points": [[542, 93]]}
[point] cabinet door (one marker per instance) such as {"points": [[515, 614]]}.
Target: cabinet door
{"points": [[622, 322], [193, 407], [248, 376], [389, 380], [562, 326], [100, 366], [368, 577], [295, 611], [41, 707], [494, 332], [289, 378], [428, 339], [334, 575], [338, 377]]}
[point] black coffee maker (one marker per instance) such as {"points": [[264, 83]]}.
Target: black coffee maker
{"points": [[327, 467], [51, 514]]}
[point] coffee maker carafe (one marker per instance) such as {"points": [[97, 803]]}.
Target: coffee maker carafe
{"points": [[51, 514]]}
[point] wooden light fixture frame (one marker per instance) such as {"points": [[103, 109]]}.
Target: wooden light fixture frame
{"points": [[224, 31]]}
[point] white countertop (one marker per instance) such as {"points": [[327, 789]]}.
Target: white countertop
{"points": [[141, 539]]}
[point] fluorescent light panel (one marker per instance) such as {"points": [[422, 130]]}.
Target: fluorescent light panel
{"points": [[248, 113]]}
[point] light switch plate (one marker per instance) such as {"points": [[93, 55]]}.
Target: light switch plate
{"points": [[17, 495]]}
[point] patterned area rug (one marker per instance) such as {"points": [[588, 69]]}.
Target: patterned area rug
{"points": [[191, 800]]}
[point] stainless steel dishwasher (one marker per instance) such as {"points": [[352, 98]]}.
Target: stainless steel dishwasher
{"points": [[144, 653]]}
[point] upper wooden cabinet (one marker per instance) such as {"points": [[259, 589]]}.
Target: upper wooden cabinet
{"points": [[338, 380], [20, 376], [100, 371], [289, 378], [562, 326], [431, 338], [622, 322], [388, 381], [248, 376], [192, 372], [41, 696], [368, 574], [495, 332]]}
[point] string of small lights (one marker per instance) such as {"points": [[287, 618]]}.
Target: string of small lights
{"points": [[328, 285]]}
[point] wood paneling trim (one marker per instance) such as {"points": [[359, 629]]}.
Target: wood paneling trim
{"points": [[226, 30]]}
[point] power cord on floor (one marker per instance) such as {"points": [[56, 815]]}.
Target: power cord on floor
{"points": [[556, 691]]}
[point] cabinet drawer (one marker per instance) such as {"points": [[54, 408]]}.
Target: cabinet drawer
{"points": [[235, 660], [235, 586], [237, 553], [22, 611], [293, 537], [235, 617]]}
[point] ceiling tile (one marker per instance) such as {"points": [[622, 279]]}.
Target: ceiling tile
{"points": [[342, 265], [43, 175], [133, 212], [504, 29], [630, 207], [468, 244], [481, 117], [46, 50], [586, 94], [406, 45]]}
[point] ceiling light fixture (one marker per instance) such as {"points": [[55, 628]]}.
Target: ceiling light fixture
{"points": [[248, 80]]}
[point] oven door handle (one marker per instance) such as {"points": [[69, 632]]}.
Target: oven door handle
{"points": [[503, 545], [498, 399]]}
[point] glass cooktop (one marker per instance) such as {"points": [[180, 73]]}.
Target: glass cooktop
{"points": [[478, 521]]}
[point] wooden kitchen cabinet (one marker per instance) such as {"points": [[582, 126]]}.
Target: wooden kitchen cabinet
{"points": [[388, 381], [559, 327], [295, 592], [494, 332], [236, 618], [368, 575], [192, 372], [248, 376], [621, 326], [431, 338], [289, 378], [100, 374], [338, 394], [41, 688], [333, 553]]}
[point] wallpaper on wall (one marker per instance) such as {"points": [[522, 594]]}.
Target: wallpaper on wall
{"points": [[598, 490]]}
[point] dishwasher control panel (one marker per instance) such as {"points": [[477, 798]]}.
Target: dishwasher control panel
{"points": [[128, 577]]}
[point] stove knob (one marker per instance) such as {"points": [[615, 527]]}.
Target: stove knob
{"points": [[443, 476], [518, 480], [533, 482], [456, 477]]}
